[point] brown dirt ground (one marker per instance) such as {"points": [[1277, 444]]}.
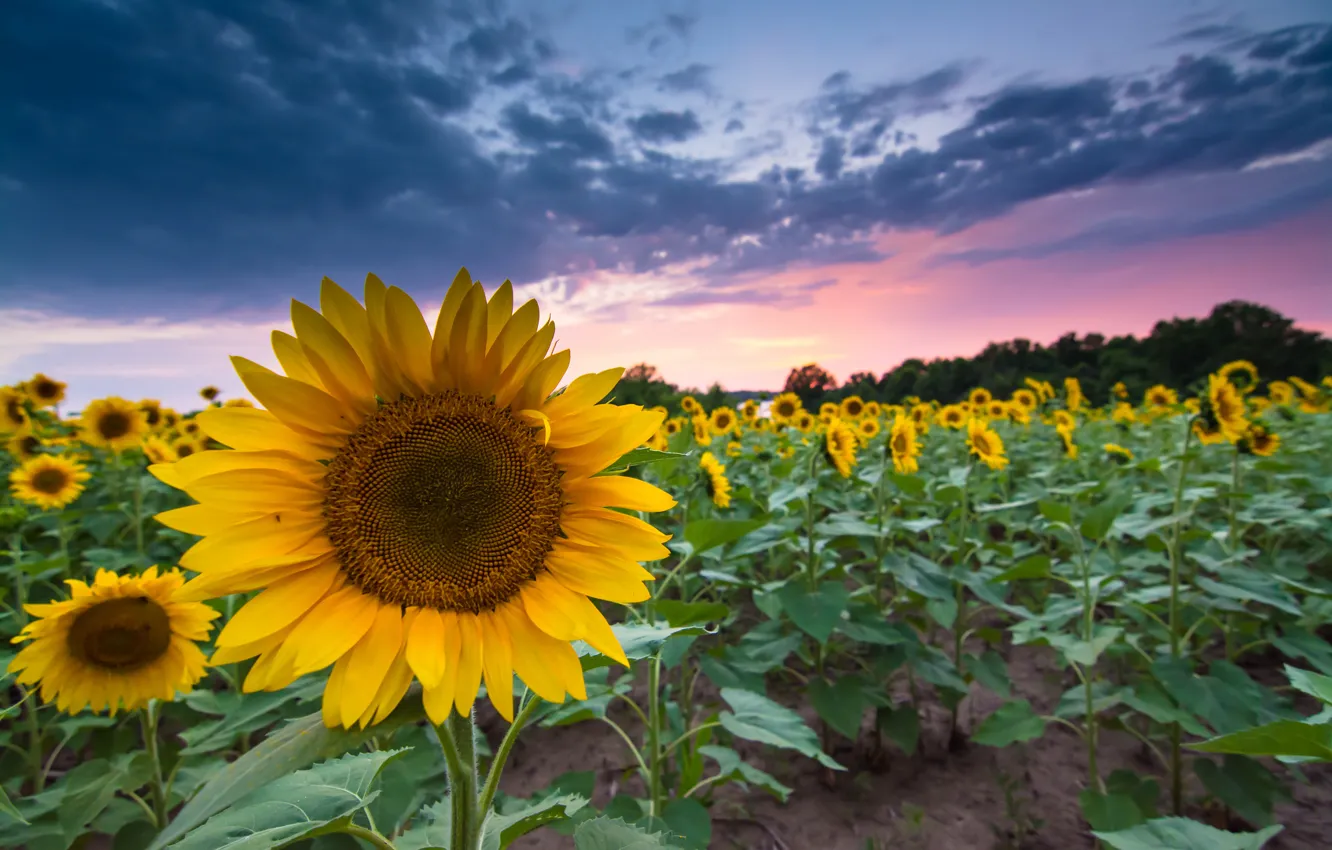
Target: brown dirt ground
{"points": [[863, 808]]}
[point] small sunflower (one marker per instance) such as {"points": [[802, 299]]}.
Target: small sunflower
{"points": [[1073, 396], [921, 415], [1117, 453], [839, 446], [419, 505], [952, 416], [114, 644], [13, 414], [44, 391], [853, 406], [1065, 421], [186, 446], [657, 441], [1241, 373], [1066, 440], [1124, 413], [735, 448], [714, 478], [1259, 441], [868, 429], [872, 408], [749, 410], [829, 409], [996, 409], [804, 421], [1017, 414], [1225, 408], [48, 481], [672, 426], [1025, 399], [1160, 396], [690, 405], [151, 409], [979, 397], [1312, 399], [113, 423], [1119, 390], [785, 407], [1208, 433], [986, 444], [169, 419], [702, 434], [722, 420], [1281, 392], [210, 392], [904, 445], [1258, 404], [23, 446], [1038, 387], [158, 450]]}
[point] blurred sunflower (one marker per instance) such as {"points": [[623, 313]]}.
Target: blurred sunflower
{"points": [[23, 446], [701, 432], [418, 505], [1017, 414], [853, 406], [722, 420], [1312, 399], [785, 407], [749, 410], [1038, 387], [868, 428], [734, 448], [828, 409], [714, 478], [1117, 453], [872, 408], [1242, 374], [690, 405], [920, 417], [1208, 433], [169, 418], [952, 416], [979, 397], [1119, 390], [1160, 396], [1280, 392], [48, 481], [1124, 413], [985, 444], [1066, 440], [1025, 398], [115, 644], [209, 392], [672, 427], [657, 441], [44, 391], [904, 445], [13, 414], [158, 450], [1065, 421], [183, 447], [804, 421], [1193, 405], [238, 402], [151, 409], [1257, 440], [1258, 404], [112, 423], [1225, 408], [996, 409], [1073, 396], [839, 446]]}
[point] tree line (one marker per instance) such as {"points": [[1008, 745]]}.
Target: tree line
{"points": [[1178, 352]]}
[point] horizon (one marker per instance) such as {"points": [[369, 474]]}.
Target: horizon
{"points": [[724, 193]]}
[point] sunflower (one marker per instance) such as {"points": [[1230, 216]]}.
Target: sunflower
{"points": [[1025, 399], [48, 481], [1225, 408], [921, 415], [1281, 392], [1258, 404], [735, 448], [1039, 387], [714, 478], [113, 423], [13, 414], [672, 426], [1241, 373], [169, 418], [114, 645], [985, 444], [952, 416], [1208, 433], [804, 421], [839, 446], [1124, 413], [191, 428], [904, 445], [853, 406], [158, 450], [1066, 439], [151, 409], [1312, 399], [1018, 414], [996, 409], [245, 402], [1119, 390], [829, 409], [701, 433], [186, 446], [210, 392], [1065, 421], [1073, 396], [23, 446], [657, 441], [979, 397], [1117, 453], [868, 429], [1259, 441], [785, 407], [873, 409], [1160, 396], [722, 420], [44, 391], [418, 505], [749, 410], [690, 405]]}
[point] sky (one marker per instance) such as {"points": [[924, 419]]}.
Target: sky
{"points": [[724, 190]]}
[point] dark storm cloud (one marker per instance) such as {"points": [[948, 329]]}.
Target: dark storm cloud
{"points": [[662, 126], [238, 149]]}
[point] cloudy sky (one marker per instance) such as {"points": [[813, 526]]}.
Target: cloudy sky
{"points": [[723, 189]]}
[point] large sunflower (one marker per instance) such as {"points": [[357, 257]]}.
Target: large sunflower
{"points": [[1160, 397], [1259, 441], [48, 481], [1225, 408], [114, 645], [112, 423], [418, 505], [1241, 373], [785, 407], [722, 420], [44, 391], [1025, 398]]}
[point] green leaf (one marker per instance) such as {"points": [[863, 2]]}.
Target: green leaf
{"points": [[731, 765], [689, 822], [7, 807], [504, 829], [1013, 722], [990, 670], [705, 534], [239, 714], [1313, 684], [298, 744], [638, 642], [816, 613], [638, 457], [1035, 566], [431, 828], [1109, 812], [841, 703], [614, 834], [680, 613], [754, 717], [1279, 738], [89, 788], [292, 806], [1086, 653], [1097, 522], [1055, 511], [1184, 834], [902, 726], [1248, 788]]}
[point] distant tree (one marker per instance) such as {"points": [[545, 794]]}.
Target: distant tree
{"points": [[715, 397], [811, 382], [640, 372], [641, 384]]}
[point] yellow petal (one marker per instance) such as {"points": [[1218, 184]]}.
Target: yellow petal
{"points": [[595, 579], [279, 606], [448, 311], [291, 356], [542, 381], [267, 490], [268, 536], [296, 403], [497, 663], [538, 658], [330, 629], [566, 615], [619, 491], [426, 649], [467, 679], [333, 359], [370, 660], [203, 519], [411, 338], [331, 709], [593, 457], [467, 341], [529, 356], [583, 392], [498, 311], [252, 429], [396, 682]]}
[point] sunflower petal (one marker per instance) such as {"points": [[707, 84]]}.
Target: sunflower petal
{"points": [[619, 491], [277, 607], [467, 679], [497, 663], [252, 429], [370, 660], [295, 402], [426, 648]]}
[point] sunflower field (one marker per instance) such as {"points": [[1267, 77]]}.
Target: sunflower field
{"points": [[427, 591]]}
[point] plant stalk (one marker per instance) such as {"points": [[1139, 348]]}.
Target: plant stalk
{"points": [[1176, 532], [148, 717], [456, 739]]}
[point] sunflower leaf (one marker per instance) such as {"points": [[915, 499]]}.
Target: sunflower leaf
{"points": [[293, 806], [297, 745], [638, 642], [638, 457], [1184, 834], [605, 833]]}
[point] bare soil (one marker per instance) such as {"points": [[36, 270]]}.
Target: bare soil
{"points": [[879, 801]]}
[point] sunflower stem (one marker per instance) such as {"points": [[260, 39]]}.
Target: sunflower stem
{"points": [[456, 739], [1233, 539], [34, 739], [812, 564], [369, 836], [654, 737], [148, 717], [529, 705], [1176, 531], [138, 510], [960, 622]]}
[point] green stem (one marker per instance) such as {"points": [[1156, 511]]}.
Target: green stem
{"points": [[812, 564], [1176, 532], [369, 836], [20, 593], [655, 755], [459, 746], [960, 625], [502, 754], [148, 717], [29, 699], [1089, 678], [1234, 499]]}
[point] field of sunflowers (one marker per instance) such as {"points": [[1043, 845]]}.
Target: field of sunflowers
{"points": [[428, 591]]}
